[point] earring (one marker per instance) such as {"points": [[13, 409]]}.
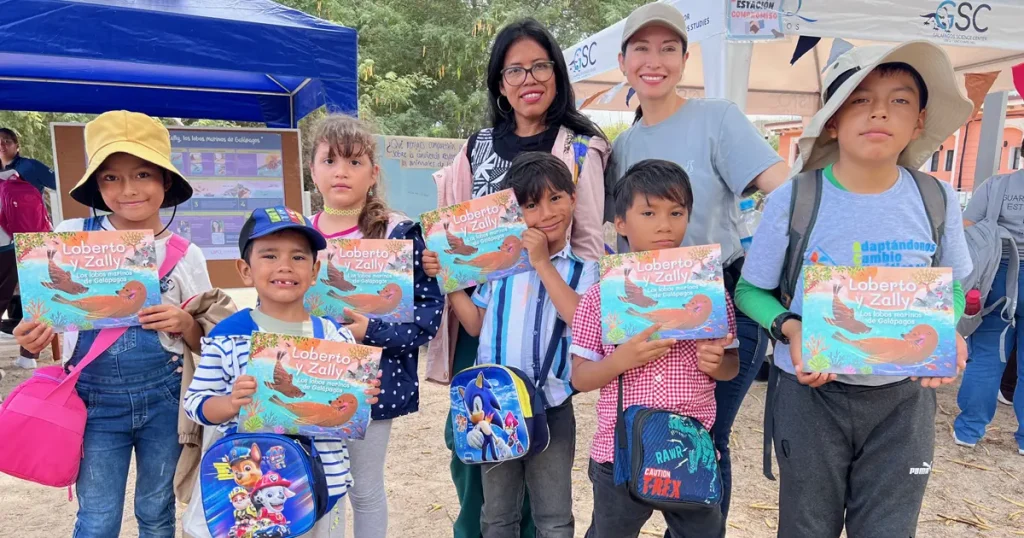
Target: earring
{"points": [[498, 101]]}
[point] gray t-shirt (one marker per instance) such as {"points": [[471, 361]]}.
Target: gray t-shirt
{"points": [[720, 150], [887, 229], [1011, 214]]}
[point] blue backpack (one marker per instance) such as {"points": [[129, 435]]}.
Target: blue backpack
{"points": [[264, 485], [665, 460]]}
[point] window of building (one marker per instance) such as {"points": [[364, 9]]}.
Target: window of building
{"points": [[935, 162], [949, 160]]}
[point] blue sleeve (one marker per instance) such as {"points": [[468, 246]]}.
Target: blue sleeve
{"points": [[741, 152], [428, 303], [37, 173]]}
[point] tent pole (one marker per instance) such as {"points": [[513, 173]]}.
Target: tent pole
{"points": [[726, 69], [990, 144]]}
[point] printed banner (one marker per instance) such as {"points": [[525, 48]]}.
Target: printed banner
{"points": [[681, 288], [879, 321], [77, 281], [754, 19]]}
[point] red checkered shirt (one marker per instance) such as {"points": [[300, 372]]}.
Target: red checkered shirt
{"points": [[672, 382]]}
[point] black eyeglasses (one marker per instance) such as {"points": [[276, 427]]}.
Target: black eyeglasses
{"points": [[541, 71]]}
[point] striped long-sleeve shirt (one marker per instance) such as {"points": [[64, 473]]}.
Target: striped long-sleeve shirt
{"points": [[225, 357]]}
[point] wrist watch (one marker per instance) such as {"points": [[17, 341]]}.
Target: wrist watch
{"points": [[775, 331]]}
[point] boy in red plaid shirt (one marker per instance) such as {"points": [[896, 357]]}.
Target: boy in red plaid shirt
{"points": [[652, 209]]}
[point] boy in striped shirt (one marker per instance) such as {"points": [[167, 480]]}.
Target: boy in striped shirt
{"points": [[515, 318], [279, 258]]}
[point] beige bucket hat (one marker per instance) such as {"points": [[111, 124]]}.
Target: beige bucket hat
{"points": [[948, 108]]}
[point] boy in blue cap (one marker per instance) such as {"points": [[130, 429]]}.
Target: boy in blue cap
{"points": [[278, 249]]}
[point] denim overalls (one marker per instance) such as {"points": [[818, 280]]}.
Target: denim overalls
{"points": [[131, 394]]}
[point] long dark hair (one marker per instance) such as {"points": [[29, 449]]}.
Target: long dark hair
{"points": [[562, 111]]}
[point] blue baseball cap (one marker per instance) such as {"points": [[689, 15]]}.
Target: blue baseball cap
{"points": [[267, 220]]}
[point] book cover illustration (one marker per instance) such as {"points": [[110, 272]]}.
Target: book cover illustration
{"points": [[371, 276], [76, 281], [477, 241], [680, 288], [879, 321], [309, 387]]}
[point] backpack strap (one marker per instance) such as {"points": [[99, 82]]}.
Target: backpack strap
{"points": [[556, 334], [803, 213], [934, 197], [93, 224], [176, 248]]}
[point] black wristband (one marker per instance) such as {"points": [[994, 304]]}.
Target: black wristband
{"points": [[775, 331]]}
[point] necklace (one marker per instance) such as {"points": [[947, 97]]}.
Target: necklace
{"points": [[343, 212]]}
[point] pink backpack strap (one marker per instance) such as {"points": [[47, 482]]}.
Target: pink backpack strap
{"points": [[177, 246]]}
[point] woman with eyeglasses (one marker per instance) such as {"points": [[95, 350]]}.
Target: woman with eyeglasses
{"points": [[532, 109]]}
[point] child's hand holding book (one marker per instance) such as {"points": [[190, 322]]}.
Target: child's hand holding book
{"points": [[431, 265], [33, 335], [961, 364], [793, 330], [639, 351]]}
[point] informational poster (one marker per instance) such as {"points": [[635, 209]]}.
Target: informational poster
{"points": [[408, 165], [231, 173]]}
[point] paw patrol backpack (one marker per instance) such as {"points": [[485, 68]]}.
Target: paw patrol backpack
{"points": [[498, 412]]}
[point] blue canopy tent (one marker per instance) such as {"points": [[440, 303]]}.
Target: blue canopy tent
{"points": [[241, 60]]}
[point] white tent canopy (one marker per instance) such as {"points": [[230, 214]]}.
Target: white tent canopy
{"points": [[752, 69]]}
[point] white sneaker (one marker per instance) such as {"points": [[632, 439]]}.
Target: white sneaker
{"points": [[962, 443], [1003, 399], [25, 362]]}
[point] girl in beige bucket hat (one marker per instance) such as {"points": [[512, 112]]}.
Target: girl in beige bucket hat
{"points": [[855, 450], [131, 390]]}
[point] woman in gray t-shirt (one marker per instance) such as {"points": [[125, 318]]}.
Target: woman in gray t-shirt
{"points": [[725, 157]]}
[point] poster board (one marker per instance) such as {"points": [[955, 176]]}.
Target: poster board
{"points": [[233, 172], [407, 167]]}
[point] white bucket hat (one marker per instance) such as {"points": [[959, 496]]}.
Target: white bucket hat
{"points": [[948, 108]]}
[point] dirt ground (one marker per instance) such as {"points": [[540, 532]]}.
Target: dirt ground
{"points": [[981, 488]]}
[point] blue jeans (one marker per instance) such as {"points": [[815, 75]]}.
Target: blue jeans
{"points": [[131, 394], [729, 395], [977, 396]]}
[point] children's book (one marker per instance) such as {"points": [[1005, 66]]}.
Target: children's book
{"points": [[477, 241], [76, 281], [309, 387], [879, 321], [681, 288], [370, 276]]}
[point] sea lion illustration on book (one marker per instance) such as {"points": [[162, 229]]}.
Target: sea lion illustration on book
{"points": [[843, 316], [912, 348], [283, 379], [693, 315], [126, 302], [338, 412], [634, 293], [490, 262], [383, 302], [61, 279], [335, 276], [457, 245]]}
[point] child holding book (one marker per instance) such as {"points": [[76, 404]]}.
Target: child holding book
{"points": [[652, 207], [856, 450], [278, 250], [515, 319], [131, 390], [342, 162]]}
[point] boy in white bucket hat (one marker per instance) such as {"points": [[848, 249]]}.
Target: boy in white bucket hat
{"points": [[856, 450]]}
